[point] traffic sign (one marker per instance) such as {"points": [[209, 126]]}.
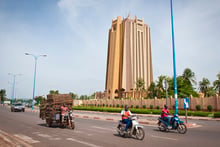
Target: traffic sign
{"points": [[186, 103], [165, 84]]}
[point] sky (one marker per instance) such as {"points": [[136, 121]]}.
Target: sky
{"points": [[74, 36]]}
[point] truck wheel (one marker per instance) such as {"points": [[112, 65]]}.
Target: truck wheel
{"points": [[48, 123]]}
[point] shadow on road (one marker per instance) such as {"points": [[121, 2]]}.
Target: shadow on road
{"points": [[54, 125], [125, 137], [170, 131]]}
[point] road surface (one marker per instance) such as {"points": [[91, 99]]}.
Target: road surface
{"points": [[31, 131]]}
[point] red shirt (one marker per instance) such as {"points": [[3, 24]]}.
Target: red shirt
{"points": [[163, 114], [64, 109]]}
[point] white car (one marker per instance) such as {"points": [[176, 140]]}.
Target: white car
{"points": [[17, 107]]}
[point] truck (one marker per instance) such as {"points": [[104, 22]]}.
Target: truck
{"points": [[50, 110]]}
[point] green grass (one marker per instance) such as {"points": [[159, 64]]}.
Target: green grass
{"points": [[147, 111]]}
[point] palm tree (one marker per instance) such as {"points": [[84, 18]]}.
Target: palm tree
{"points": [[216, 83], [2, 95], [152, 90], [140, 84], [189, 76], [204, 86], [160, 91]]}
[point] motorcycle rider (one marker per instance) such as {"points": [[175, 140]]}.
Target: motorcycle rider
{"points": [[64, 110], [164, 115], [125, 117]]}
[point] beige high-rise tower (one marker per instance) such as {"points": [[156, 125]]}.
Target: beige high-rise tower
{"points": [[129, 56]]}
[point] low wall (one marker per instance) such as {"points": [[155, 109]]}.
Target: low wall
{"points": [[203, 102]]}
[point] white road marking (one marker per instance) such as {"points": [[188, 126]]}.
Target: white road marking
{"points": [[164, 137], [108, 129], [26, 138], [55, 139], [44, 135], [83, 142], [80, 132], [5, 138]]}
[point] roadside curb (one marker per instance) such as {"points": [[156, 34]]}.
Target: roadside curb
{"points": [[12, 140]]}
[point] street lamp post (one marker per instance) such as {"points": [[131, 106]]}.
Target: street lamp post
{"points": [[35, 67], [13, 89], [174, 59]]}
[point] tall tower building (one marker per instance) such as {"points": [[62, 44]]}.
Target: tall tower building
{"points": [[129, 56]]}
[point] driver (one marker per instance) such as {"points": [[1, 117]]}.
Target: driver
{"points": [[125, 114], [64, 109], [164, 115]]}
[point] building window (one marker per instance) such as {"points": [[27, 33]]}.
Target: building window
{"points": [[114, 27]]}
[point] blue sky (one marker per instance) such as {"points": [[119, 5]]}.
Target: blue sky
{"points": [[74, 35]]}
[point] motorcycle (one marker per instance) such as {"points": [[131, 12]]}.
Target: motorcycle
{"points": [[134, 130], [68, 120], [174, 124]]}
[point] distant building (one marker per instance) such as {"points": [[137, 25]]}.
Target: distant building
{"points": [[129, 56]]}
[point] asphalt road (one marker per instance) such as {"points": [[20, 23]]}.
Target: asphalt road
{"points": [[27, 126]]}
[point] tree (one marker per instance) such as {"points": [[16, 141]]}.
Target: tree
{"points": [[74, 96], [140, 84], [189, 76], [39, 99], [54, 91], [204, 85], [83, 97], [216, 84], [92, 96], [159, 87], [152, 90], [2, 95]]}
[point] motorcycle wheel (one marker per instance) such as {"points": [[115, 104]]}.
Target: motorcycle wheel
{"points": [[161, 127], [182, 129], [120, 131], [140, 134], [72, 125]]}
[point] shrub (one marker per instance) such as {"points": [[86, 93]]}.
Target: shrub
{"points": [[106, 105], [103, 105], [137, 106], [200, 113], [117, 105], [158, 107], [198, 107], [110, 105], [217, 114], [144, 106], [147, 111], [113, 105], [95, 105], [209, 107], [151, 106], [122, 106], [173, 107], [131, 106]]}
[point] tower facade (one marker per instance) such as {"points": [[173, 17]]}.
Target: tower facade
{"points": [[129, 56]]}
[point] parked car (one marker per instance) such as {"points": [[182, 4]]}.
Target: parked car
{"points": [[17, 107], [28, 105]]}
